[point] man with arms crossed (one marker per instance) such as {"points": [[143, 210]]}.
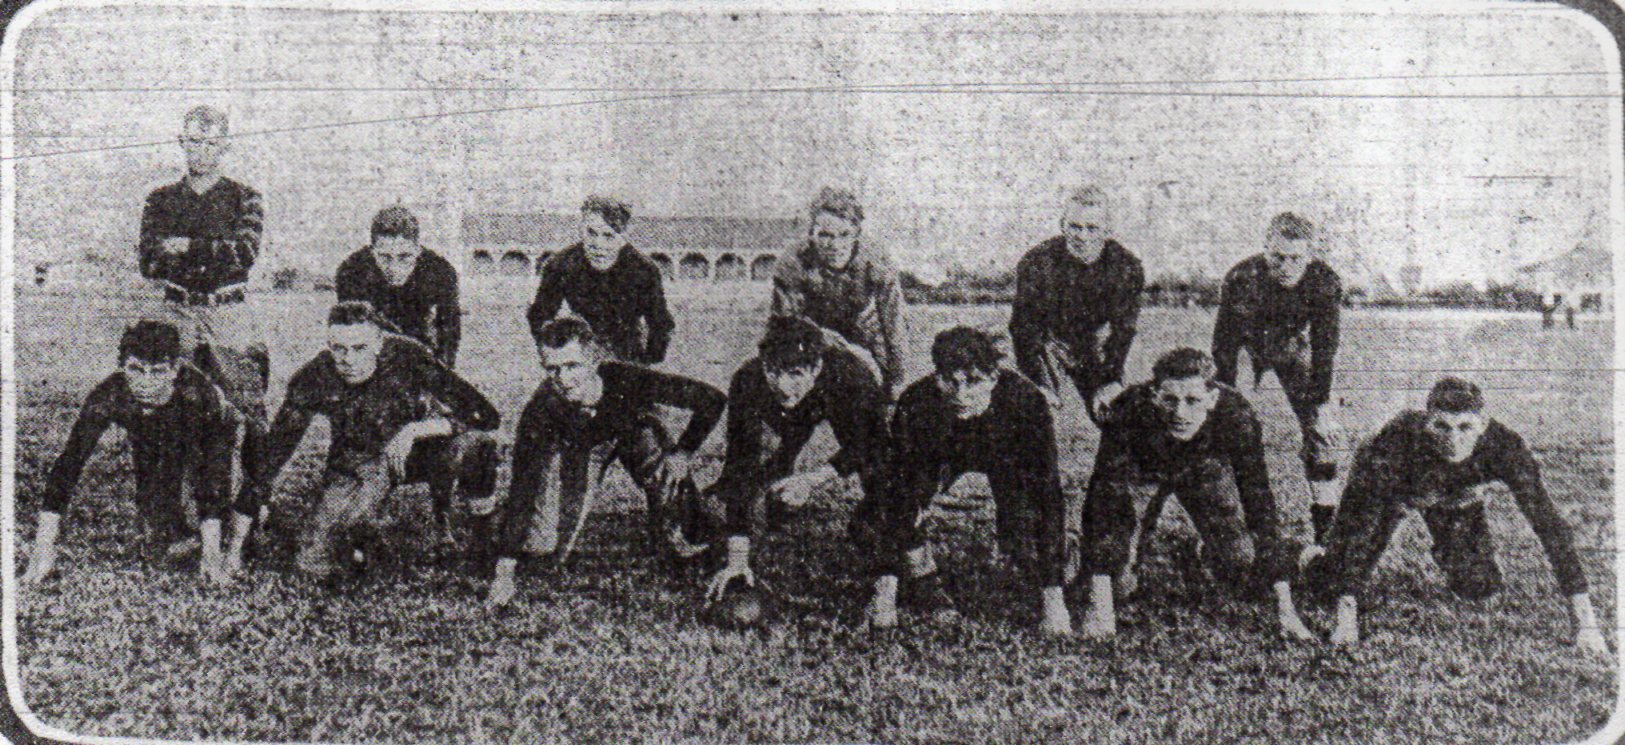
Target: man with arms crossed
{"points": [[847, 287], [971, 415], [181, 432], [586, 400], [1184, 433], [1282, 306], [1440, 463], [611, 284], [397, 415]]}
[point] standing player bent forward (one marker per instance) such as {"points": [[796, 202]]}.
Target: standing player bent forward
{"points": [[1439, 462]]}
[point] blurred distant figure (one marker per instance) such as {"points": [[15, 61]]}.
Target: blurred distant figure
{"points": [[608, 282], [1068, 289], [1548, 309], [1283, 307], [411, 287], [847, 287]]}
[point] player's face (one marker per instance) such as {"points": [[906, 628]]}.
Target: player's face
{"points": [[572, 372], [791, 385], [151, 383], [1185, 404], [1455, 434], [204, 146], [1085, 229], [602, 242], [970, 392], [396, 257], [834, 238], [1287, 258], [355, 350]]}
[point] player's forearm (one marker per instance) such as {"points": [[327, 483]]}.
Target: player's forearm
{"points": [[47, 529]]}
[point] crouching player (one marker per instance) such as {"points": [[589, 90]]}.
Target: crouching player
{"points": [[1439, 462], [589, 401], [775, 402], [182, 434], [1184, 433], [398, 416], [970, 415]]}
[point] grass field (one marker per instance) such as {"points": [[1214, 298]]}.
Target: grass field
{"points": [[609, 650]]}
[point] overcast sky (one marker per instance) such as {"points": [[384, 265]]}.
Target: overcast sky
{"points": [[1468, 142]]}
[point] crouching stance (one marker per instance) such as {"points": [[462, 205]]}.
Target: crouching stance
{"points": [[1438, 462], [775, 402], [398, 416], [970, 415], [1186, 434], [182, 436], [590, 402]]}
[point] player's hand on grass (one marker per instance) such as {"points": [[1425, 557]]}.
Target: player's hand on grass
{"points": [[882, 610], [1291, 623], [1329, 428], [796, 489], [1588, 633], [502, 589], [43, 558], [214, 573], [1347, 630], [1056, 621], [1591, 642], [736, 567], [1099, 625]]}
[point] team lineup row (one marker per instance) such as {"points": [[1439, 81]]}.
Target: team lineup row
{"points": [[190, 395]]}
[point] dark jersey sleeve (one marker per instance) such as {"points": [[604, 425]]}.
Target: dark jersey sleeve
{"points": [[1029, 318], [1229, 326], [535, 443], [1516, 466], [742, 456], [348, 282], [94, 418], [217, 440], [1124, 319], [292, 419], [448, 317], [1245, 441], [154, 261], [1323, 335], [238, 250], [657, 316], [549, 295], [703, 401], [1033, 437], [468, 406], [858, 419]]}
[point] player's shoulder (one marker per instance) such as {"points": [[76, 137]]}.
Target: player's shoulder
{"points": [[1501, 436], [355, 261], [108, 392], [1015, 387], [398, 348], [570, 256], [166, 191], [437, 267], [793, 263], [1041, 254], [1248, 269], [875, 261], [921, 393], [1323, 276], [242, 190], [635, 260], [1121, 255]]}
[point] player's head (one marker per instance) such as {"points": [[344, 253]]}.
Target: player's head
{"points": [[204, 130], [603, 228], [1185, 389], [1455, 418], [835, 221], [570, 356], [792, 355], [1289, 247], [149, 353], [355, 336], [966, 368], [395, 247], [1085, 222]]}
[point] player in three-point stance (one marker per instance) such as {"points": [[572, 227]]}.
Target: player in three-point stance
{"points": [[1184, 433], [182, 434], [398, 416], [1282, 306], [1439, 462], [589, 402], [972, 415]]}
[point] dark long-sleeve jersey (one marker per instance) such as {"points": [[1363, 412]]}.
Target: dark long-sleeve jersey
{"points": [[424, 307], [223, 223], [550, 424], [408, 385], [1014, 437], [196, 418], [625, 304], [845, 395], [1135, 443], [1400, 467], [1258, 313], [862, 302], [1061, 298]]}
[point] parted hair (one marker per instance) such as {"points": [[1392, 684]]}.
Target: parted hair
{"points": [[395, 221], [614, 211], [965, 348], [1184, 363], [150, 341], [555, 334], [1456, 396]]}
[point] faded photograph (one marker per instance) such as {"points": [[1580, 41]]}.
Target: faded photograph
{"points": [[719, 373]]}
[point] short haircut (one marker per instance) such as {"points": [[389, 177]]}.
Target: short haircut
{"points": [[1455, 396], [1184, 363], [791, 343], [1087, 196], [395, 222], [150, 341], [963, 348], [557, 333], [1290, 226], [841, 203], [614, 211], [353, 312], [208, 117]]}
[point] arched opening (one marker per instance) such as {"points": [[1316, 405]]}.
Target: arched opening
{"points": [[664, 262], [515, 263], [541, 261], [730, 268], [483, 263], [762, 268], [695, 266]]}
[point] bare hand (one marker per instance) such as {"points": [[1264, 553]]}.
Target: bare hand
{"points": [[1100, 625], [399, 449], [39, 568], [1057, 621], [675, 468], [1101, 402], [1591, 642], [793, 491], [1294, 628], [724, 576], [502, 585], [214, 574]]}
